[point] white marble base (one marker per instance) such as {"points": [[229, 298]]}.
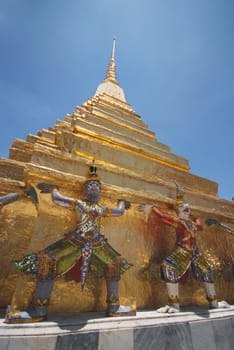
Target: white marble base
{"points": [[191, 329]]}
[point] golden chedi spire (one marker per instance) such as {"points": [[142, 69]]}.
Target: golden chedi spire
{"points": [[110, 84], [111, 70]]}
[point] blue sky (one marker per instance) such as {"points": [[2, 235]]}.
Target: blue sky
{"points": [[175, 62]]}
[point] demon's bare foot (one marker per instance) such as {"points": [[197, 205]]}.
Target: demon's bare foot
{"points": [[169, 309], [219, 304], [120, 310]]}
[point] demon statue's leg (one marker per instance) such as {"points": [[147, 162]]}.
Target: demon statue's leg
{"points": [[113, 306], [212, 299], [38, 311], [173, 299]]}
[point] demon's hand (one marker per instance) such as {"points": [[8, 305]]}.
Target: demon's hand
{"points": [[145, 208], [127, 204], [45, 187]]}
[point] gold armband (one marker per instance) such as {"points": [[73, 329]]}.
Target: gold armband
{"points": [[108, 212], [73, 204]]}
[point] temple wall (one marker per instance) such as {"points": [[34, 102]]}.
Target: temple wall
{"points": [[140, 173], [140, 239]]}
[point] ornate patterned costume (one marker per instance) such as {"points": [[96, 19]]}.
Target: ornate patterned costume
{"points": [[187, 253], [83, 249]]}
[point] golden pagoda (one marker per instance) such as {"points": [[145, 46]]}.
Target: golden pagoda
{"points": [[132, 164]]}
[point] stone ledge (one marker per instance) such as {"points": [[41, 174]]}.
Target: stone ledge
{"points": [[191, 329]]}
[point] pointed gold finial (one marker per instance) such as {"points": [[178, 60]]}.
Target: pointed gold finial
{"points": [[111, 70], [110, 84], [113, 49]]}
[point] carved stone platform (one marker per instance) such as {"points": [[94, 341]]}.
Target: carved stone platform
{"points": [[191, 329]]}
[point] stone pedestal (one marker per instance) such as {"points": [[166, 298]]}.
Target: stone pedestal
{"points": [[191, 329]]}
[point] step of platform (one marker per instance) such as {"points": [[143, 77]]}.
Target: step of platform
{"points": [[191, 329]]}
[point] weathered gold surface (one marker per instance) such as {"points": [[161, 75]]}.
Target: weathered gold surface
{"points": [[132, 164]]}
